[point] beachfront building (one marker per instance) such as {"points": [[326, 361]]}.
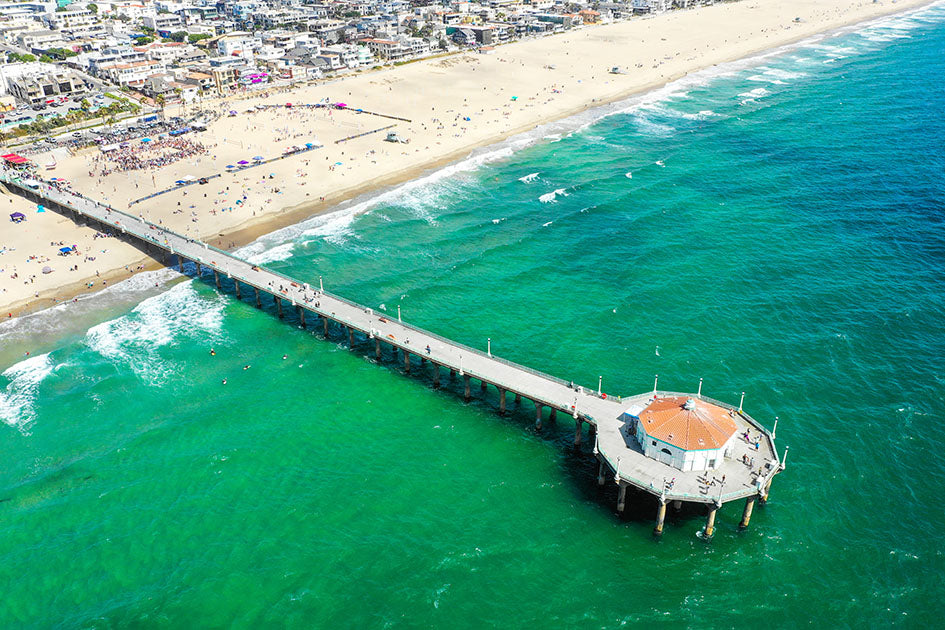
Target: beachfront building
{"points": [[683, 432], [40, 86]]}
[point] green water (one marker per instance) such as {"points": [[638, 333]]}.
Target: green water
{"points": [[782, 233]]}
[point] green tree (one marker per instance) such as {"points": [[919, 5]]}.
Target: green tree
{"points": [[92, 7], [28, 58], [193, 38], [85, 105], [179, 36], [144, 41], [45, 59], [160, 101]]}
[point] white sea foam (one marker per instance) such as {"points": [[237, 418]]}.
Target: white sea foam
{"points": [[19, 396], [134, 339], [756, 93], [263, 255], [528, 178], [550, 197]]}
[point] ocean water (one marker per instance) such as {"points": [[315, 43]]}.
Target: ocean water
{"points": [[775, 227]]}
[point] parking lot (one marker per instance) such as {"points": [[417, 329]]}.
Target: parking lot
{"points": [[25, 114]]}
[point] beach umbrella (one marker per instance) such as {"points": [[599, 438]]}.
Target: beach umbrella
{"points": [[258, 158], [243, 162], [230, 166], [40, 208], [47, 269], [65, 250], [145, 139]]}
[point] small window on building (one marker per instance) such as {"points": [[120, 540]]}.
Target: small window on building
{"points": [[711, 463], [654, 442]]}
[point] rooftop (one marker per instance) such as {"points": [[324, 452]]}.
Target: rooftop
{"points": [[688, 423]]}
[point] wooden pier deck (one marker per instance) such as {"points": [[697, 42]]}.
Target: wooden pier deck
{"points": [[621, 458]]}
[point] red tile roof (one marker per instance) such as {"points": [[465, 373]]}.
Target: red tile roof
{"points": [[690, 426]]}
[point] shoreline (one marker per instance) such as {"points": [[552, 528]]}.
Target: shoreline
{"points": [[250, 230]]}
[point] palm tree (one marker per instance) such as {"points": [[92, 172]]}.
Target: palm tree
{"points": [[160, 100]]}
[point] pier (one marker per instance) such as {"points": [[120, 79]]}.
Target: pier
{"points": [[602, 417]]}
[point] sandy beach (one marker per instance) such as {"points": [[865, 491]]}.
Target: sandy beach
{"points": [[454, 104]]}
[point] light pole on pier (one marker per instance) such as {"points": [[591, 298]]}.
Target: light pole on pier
{"points": [[489, 346], [600, 382], [398, 313], [321, 287], [699, 393], [656, 379], [740, 402]]}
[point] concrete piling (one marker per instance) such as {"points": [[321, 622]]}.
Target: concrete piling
{"points": [[601, 474], [377, 348], [466, 395], [301, 315], [710, 522], [538, 407], [239, 295], [518, 399], [553, 416], [258, 302], [216, 278], [622, 497], [436, 375], [482, 385], [351, 338], [279, 304], [577, 432], [406, 362], [501, 400], [660, 519], [746, 515], [325, 321]]}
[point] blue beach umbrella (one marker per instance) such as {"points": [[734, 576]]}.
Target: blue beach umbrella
{"points": [[258, 158], [145, 139]]}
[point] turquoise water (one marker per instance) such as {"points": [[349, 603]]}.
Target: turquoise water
{"points": [[782, 233]]}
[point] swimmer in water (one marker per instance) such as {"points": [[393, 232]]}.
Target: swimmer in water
{"points": [[213, 352], [285, 356], [245, 367], [224, 381]]}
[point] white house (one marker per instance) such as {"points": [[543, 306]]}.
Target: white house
{"points": [[686, 433]]}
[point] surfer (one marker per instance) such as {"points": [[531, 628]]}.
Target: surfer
{"points": [[213, 352]]}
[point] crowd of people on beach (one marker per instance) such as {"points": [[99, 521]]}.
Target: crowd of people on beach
{"points": [[145, 155]]}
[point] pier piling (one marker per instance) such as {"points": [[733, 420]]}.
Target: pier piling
{"points": [[239, 295], [466, 394], [710, 522], [538, 407], [501, 400], [377, 348], [660, 519], [406, 357], [216, 278], [746, 515], [279, 304], [325, 321], [258, 302], [601, 474], [622, 497], [436, 375], [301, 314], [351, 339], [577, 432]]}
